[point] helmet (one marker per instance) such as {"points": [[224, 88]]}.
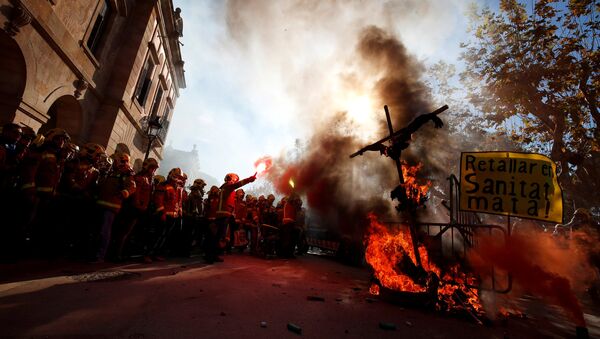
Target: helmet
{"points": [[104, 163], [159, 179], [28, 132], [70, 150], [57, 132], [149, 164], [122, 162], [198, 184], [232, 177], [175, 175], [92, 152]]}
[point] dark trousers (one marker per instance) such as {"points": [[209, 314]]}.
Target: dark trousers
{"points": [[289, 239], [126, 221], [215, 241], [162, 235]]}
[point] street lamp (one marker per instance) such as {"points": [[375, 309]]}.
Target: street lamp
{"points": [[154, 127]]}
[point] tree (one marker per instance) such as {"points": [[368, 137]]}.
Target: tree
{"points": [[538, 68]]}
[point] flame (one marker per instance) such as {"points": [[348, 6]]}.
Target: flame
{"points": [[414, 191], [291, 182], [374, 289], [388, 250], [262, 165]]}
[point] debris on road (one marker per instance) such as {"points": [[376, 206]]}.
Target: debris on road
{"points": [[315, 298], [387, 326], [294, 328]]}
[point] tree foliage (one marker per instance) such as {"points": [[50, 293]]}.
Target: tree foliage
{"points": [[535, 66]]}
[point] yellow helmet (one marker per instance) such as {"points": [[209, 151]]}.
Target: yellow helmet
{"points": [[159, 179]]}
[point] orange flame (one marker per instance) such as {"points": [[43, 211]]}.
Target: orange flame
{"points": [[386, 249], [291, 182], [374, 289], [415, 191]]}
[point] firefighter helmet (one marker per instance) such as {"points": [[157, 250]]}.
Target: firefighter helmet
{"points": [[198, 184], [57, 132], [28, 133], [214, 190], [121, 162], [159, 179], [70, 150], [232, 177], [149, 164], [92, 152], [104, 163], [175, 174]]}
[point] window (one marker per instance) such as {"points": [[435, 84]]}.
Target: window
{"points": [[156, 102], [144, 82], [99, 29]]}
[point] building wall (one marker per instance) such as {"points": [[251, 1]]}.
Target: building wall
{"points": [[53, 73]]}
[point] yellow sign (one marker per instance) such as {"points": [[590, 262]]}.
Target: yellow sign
{"points": [[515, 184]]}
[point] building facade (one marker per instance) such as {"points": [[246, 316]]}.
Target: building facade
{"points": [[101, 69]]}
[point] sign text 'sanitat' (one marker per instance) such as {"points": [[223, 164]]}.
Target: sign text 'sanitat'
{"points": [[516, 184]]}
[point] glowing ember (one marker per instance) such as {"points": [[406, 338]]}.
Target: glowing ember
{"points": [[374, 289], [262, 165], [291, 182]]}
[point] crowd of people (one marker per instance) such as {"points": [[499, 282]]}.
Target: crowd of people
{"points": [[59, 199]]}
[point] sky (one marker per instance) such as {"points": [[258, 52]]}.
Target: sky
{"points": [[262, 74]]}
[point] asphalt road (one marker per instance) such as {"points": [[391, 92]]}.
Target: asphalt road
{"points": [[243, 297]]}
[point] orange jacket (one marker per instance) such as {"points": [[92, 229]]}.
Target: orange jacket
{"points": [[144, 188], [240, 212], [168, 199], [290, 213], [226, 206], [114, 189], [41, 171]]}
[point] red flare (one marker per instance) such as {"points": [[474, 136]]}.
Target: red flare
{"points": [[262, 165]]}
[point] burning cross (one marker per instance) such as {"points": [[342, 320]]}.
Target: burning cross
{"points": [[400, 140]]}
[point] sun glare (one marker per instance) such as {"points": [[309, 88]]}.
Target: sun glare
{"points": [[359, 108]]}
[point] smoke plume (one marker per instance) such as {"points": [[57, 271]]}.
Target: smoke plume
{"points": [[541, 265], [347, 58]]}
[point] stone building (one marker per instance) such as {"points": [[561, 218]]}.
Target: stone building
{"points": [[101, 69]]}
